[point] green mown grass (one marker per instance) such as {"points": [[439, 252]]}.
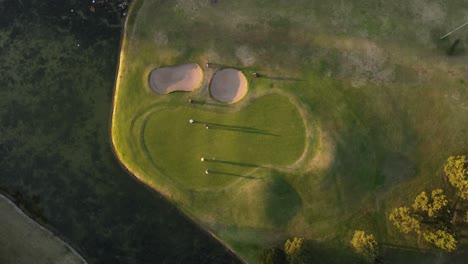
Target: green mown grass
{"points": [[381, 104], [239, 141]]}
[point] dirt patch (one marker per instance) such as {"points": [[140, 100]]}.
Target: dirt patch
{"points": [[368, 64], [228, 86], [325, 153], [160, 38], [429, 12], [183, 77], [245, 55]]}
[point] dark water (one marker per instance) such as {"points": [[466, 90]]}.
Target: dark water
{"points": [[57, 68]]}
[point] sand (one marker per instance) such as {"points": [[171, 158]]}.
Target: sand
{"points": [[228, 86], [184, 77]]}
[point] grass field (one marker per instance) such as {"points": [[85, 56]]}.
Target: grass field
{"points": [[373, 102], [28, 242]]}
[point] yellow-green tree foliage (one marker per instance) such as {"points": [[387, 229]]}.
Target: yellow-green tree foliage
{"points": [[456, 170], [441, 239], [402, 219], [421, 202], [433, 205], [364, 244], [293, 246], [439, 201]]}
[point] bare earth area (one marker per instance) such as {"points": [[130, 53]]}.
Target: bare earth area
{"points": [[228, 86], [183, 77]]}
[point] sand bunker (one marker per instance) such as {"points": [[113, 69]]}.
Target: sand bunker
{"points": [[228, 85], [183, 77]]}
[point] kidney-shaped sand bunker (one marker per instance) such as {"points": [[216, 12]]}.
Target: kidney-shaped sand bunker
{"points": [[228, 86], [184, 77]]}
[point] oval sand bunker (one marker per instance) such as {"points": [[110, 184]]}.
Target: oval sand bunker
{"points": [[183, 77], [228, 85]]}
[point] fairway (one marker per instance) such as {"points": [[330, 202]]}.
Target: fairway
{"points": [[346, 111], [24, 241]]}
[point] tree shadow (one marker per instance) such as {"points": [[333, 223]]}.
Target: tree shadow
{"points": [[402, 254], [326, 252], [282, 200], [400, 247], [450, 45]]}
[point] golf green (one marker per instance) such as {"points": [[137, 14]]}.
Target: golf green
{"points": [[232, 145]]}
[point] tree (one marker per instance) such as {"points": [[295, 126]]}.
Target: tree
{"points": [[402, 219], [273, 255], [441, 239], [431, 206], [439, 201], [364, 244], [293, 246], [421, 202], [296, 252], [456, 170]]}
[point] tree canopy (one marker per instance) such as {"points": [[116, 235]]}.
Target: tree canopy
{"points": [[403, 220], [364, 244], [441, 239], [296, 252], [433, 205], [456, 170], [293, 246], [427, 220]]}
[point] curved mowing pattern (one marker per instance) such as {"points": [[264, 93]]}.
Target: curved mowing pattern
{"points": [[267, 133], [184, 77], [228, 86]]}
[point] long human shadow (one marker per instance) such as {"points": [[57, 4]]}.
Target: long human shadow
{"points": [[260, 132], [232, 174], [279, 78], [201, 102], [213, 65], [238, 128], [243, 164]]}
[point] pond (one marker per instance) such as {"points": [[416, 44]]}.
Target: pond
{"points": [[58, 61]]}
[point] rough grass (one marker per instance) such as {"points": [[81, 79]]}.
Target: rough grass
{"points": [[27, 242], [388, 102]]}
